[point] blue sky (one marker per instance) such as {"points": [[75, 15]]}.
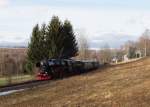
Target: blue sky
{"points": [[101, 21]]}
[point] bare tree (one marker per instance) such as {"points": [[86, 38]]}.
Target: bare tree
{"points": [[83, 46], [128, 44], [105, 54], [9, 65], [144, 43]]}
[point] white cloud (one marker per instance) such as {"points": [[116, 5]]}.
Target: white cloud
{"points": [[4, 3]]}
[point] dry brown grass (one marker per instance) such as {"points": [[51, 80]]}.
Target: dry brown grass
{"points": [[126, 85]]}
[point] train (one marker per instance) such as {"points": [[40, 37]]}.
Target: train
{"points": [[60, 68]]}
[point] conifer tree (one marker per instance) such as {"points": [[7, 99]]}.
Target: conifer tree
{"points": [[70, 44], [54, 38], [34, 48], [42, 42], [61, 40]]}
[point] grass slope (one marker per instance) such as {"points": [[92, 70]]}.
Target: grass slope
{"points": [[125, 85]]}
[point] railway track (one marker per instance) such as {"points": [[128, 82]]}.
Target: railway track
{"points": [[24, 85]]}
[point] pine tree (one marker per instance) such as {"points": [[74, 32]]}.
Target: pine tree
{"points": [[131, 52], [54, 38], [42, 42], [34, 47], [37, 48], [70, 44], [61, 40]]}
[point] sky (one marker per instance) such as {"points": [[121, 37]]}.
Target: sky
{"points": [[111, 22]]}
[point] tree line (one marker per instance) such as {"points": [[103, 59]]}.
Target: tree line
{"points": [[142, 45], [130, 49], [54, 40]]}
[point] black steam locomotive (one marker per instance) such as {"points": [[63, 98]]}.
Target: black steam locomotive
{"points": [[59, 68]]}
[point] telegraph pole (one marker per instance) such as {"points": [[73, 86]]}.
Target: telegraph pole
{"points": [[145, 48], [146, 34]]}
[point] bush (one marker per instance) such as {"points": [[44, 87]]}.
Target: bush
{"points": [[28, 67]]}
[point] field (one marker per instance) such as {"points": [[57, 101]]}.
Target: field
{"points": [[124, 85], [16, 79], [14, 58], [12, 61]]}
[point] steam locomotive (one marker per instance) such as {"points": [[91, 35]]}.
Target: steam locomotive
{"points": [[59, 68]]}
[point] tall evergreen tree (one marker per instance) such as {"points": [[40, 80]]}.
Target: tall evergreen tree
{"points": [[61, 40], [70, 44], [34, 47], [42, 42], [54, 38], [131, 52]]}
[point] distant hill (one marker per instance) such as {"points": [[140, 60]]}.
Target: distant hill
{"points": [[13, 44]]}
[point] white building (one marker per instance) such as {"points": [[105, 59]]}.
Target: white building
{"points": [[138, 54], [125, 57]]}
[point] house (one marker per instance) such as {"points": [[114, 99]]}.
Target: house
{"points": [[125, 58]]}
